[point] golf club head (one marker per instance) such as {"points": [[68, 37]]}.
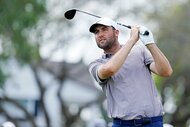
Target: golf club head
{"points": [[70, 14]]}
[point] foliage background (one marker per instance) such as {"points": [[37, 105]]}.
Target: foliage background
{"points": [[34, 31]]}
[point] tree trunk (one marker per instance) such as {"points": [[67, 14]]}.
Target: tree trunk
{"points": [[29, 117], [42, 95]]}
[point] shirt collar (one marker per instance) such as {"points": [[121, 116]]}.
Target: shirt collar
{"points": [[106, 56]]}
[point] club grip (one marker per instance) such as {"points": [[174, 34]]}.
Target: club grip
{"points": [[145, 32]]}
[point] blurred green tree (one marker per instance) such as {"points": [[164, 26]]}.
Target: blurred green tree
{"points": [[16, 17]]}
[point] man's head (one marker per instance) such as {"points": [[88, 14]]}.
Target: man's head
{"points": [[106, 33], [103, 21]]}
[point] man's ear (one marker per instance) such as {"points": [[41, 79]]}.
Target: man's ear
{"points": [[117, 32]]}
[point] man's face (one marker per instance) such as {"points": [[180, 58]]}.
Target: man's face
{"points": [[105, 36]]}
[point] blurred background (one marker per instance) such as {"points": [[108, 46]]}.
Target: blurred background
{"points": [[44, 78]]}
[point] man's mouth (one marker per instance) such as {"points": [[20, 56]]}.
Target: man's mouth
{"points": [[102, 40]]}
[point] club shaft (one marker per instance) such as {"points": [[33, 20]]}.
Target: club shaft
{"points": [[124, 25], [89, 13], [100, 17], [127, 26]]}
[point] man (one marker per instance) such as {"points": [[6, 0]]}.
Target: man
{"points": [[124, 73]]}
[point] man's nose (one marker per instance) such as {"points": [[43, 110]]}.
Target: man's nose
{"points": [[100, 33]]}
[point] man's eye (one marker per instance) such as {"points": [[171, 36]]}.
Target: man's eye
{"points": [[95, 32], [105, 29]]}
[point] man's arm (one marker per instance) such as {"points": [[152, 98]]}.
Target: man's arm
{"points": [[161, 65], [114, 64]]}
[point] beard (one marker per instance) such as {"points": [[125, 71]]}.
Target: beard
{"points": [[106, 44]]}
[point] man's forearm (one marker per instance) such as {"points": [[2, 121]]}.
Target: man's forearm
{"points": [[114, 64], [161, 64]]}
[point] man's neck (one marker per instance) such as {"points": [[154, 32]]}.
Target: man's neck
{"points": [[113, 49]]}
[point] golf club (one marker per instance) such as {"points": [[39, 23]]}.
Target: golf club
{"points": [[71, 13]]}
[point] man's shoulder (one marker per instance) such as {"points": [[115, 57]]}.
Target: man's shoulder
{"points": [[139, 44], [139, 47], [97, 60]]}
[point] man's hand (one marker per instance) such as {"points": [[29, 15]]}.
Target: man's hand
{"points": [[134, 35], [146, 39]]}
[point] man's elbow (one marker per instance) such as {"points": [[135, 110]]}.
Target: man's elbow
{"points": [[167, 73], [110, 71], [106, 71]]}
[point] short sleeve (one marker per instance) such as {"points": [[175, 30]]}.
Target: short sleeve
{"points": [[148, 59], [93, 69]]}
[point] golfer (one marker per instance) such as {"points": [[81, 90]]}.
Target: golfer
{"points": [[124, 73]]}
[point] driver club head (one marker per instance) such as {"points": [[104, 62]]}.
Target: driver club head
{"points": [[70, 14]]}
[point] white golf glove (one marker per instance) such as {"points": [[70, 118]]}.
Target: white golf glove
{"points": [[146, 39]]}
